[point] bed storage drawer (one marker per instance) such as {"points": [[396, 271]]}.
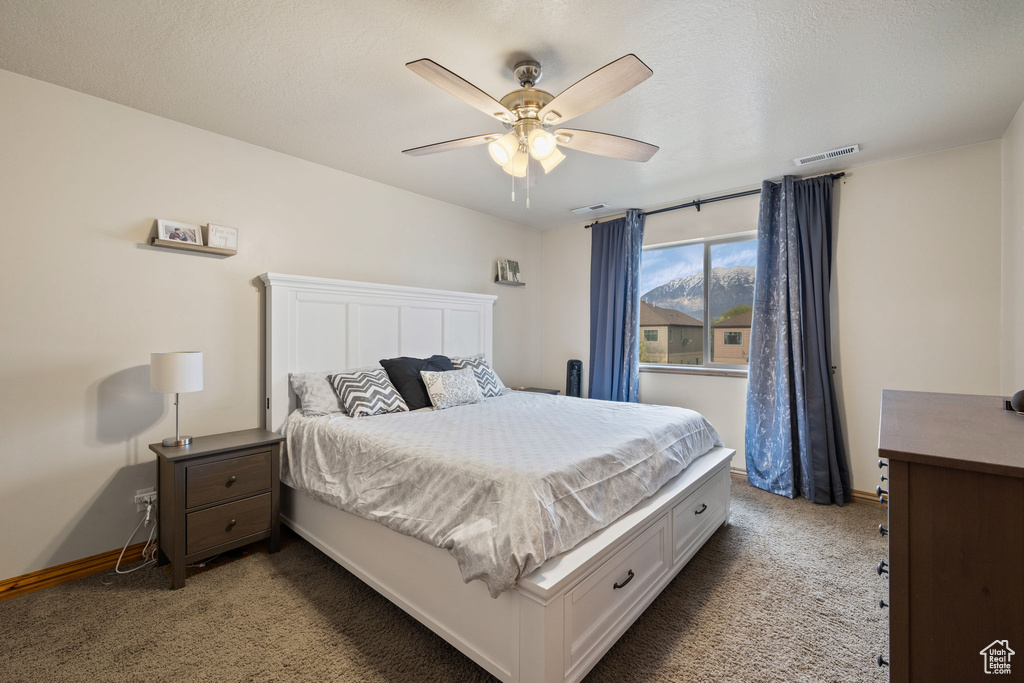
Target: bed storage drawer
{"points": [[698, 514], [227, 479], [226, 523], [596, 606]]}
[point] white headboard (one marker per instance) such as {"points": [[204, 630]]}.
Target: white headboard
{"points": [[317, 323]]}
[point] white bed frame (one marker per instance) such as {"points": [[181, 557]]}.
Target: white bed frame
{"points": [[561, 619]]}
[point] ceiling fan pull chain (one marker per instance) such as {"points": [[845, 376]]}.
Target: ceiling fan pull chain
{"points": [[527, 183]]}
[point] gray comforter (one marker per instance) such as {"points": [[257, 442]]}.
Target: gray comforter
{"points": [[503, 484]]}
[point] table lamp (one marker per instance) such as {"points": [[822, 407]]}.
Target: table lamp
{"points": [[176, 372]]}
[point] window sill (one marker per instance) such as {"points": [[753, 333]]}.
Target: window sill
{"points": [[693, 370]]}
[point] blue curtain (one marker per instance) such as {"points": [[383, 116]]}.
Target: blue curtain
{"points": [[615, 308], [794, 443]]}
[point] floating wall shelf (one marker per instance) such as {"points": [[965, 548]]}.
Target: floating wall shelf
{"points": [[510, 283], [185, 246]]}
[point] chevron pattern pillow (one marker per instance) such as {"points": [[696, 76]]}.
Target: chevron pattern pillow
{"points": [[369, 392], [451, 388], [487, 378]]}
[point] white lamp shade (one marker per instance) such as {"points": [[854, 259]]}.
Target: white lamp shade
{"points": [[503, 148], [176, 372], [542, 143], [552, 160], [517, 166]]}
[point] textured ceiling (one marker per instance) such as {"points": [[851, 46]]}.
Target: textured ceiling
{"points": [[739, 88]]}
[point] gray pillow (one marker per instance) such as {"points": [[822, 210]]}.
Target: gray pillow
{"points": [[367, 392], [486, 377], [315, 393], [451, 388]]}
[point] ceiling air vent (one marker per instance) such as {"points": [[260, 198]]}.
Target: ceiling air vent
{"points": [[588, 209], [825, 156]]}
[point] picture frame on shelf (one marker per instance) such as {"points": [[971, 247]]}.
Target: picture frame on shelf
{"points": [[502, 270], [513, 271], [174, 231], [221, 236]]}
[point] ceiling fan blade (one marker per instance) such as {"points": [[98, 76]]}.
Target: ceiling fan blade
{"points": [[604, 144], [452, 144], [603, 85], [454, 84]]}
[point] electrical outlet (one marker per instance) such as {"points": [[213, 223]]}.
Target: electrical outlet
{"points": [[142, 496]]}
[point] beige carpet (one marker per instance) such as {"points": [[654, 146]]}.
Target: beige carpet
{"points": [[786, 593]]}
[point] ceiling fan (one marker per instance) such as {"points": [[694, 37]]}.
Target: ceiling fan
{"points": [[527, 114]]}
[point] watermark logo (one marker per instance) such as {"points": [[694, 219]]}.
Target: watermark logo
{"points": [[997, 657]]}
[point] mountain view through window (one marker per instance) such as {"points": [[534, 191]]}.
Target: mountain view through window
{"points": [[672, 315]]}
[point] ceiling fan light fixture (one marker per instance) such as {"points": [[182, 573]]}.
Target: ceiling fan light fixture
{"points": [[517, 165], [542, 144], [552, 160], [503, 149]]}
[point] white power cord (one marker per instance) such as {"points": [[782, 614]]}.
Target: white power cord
{"points": [[148, 551]]}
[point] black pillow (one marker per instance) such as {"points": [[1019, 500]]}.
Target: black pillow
{"points": [[404, 373]]}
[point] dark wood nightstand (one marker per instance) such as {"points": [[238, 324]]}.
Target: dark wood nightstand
{"points": [[215, 494]]}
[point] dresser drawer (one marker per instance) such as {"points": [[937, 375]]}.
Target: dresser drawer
{"points": [[700, 512], [226, 523], [226, 479], [595, 607]]}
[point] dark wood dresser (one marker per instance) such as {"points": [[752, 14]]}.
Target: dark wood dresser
{"points": [[956, 536], [215, 494]]}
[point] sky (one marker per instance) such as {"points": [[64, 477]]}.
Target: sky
{"points": [[659, 266]]}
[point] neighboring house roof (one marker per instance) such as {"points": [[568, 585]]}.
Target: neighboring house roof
{"points": [[655, 315], [741, 320]]}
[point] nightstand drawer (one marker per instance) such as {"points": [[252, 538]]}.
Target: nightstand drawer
{"points": [[226, 523], [227, 479]]}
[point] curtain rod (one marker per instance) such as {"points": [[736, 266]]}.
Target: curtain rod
{"points": [[696, 203]]}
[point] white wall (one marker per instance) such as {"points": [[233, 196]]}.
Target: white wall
{"points": [[916, 292], [85, 302], [1013, 256]]}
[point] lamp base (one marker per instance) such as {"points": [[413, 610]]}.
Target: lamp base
{"points": [[177, 441]]}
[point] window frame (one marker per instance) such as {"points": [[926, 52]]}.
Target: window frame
{"points": [[739, 338], [708, 367], [647, 338]]}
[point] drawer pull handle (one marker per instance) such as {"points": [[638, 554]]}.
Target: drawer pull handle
{"points": [[882, 661], [883, 477], [883, 500], [882, 530], [616, 586], [881, 568], [232, 523], [703, 507], [880, 491], [232, 480], [882, 463], [882, 604]]}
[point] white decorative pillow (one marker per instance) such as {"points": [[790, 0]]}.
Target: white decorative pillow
{"points": [[367, 392], [315, 393], [450, 388], [487, 378]]}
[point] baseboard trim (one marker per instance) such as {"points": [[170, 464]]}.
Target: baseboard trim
{"points": [[860, 496], [76, 569]]}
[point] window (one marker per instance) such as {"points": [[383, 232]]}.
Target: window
{"points": [[694, 287]]}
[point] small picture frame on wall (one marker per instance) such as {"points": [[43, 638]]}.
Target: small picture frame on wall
{"points": [[222, 236], [173, 231]]}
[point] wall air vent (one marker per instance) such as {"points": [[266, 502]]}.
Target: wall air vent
{"points": [[588, 209], [825, 156]]}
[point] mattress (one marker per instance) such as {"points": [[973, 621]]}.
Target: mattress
{"points": [[503, 484]]}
